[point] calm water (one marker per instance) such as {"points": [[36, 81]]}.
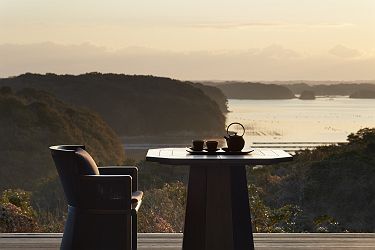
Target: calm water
{"points": [[326, 119]]}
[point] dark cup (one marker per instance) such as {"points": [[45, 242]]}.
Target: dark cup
{"points": [[198, 145], [211, 145]]}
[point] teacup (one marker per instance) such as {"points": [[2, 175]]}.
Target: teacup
{"points": [[211, 145], [198, 145]]}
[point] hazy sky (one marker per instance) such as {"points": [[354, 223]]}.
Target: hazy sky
{"points": [[206, 39]]}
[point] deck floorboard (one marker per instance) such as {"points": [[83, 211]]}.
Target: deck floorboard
{"points": [[156, 241]]}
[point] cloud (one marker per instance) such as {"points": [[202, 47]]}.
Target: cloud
{"points": [[344, 52], [330, 25], [236, 25], [243, 25], [270, 63]]}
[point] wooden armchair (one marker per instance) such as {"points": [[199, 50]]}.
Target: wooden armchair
{"points": [[102, 201]]}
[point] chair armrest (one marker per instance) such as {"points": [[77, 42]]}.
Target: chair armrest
{"points": [[137, 200], [122, 170], [136, 206], [112, 192], [137, 196]]}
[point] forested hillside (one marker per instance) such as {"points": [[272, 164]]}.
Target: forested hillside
{"points": [[32, 120], [136, 105], [215, 94], [331, 189], [255, 91]]}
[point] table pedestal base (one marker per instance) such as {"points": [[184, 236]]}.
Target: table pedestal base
{"points": [[217, 212]]}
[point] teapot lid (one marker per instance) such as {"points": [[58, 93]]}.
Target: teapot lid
{"points": [[235, 134]]}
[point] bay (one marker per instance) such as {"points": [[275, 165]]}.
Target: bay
{"points": [[325, 119]]}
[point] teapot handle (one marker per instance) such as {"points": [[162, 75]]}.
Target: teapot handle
{"points": [[237, 124]]}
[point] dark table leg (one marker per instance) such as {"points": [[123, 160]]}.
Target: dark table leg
{"points": [[195, 216], [217, 212]]}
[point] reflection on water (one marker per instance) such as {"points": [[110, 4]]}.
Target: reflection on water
{"points": [[326, 119]]}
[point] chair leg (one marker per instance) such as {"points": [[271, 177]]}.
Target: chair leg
{"points": [[88, 231], [134, 231]]}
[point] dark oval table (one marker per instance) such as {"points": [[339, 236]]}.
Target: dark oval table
{"points": [[217, 210]]}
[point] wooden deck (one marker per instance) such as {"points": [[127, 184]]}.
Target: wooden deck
{"points": [[311, 241]]}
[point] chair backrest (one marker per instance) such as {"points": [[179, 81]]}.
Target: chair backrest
{"points": [[67, 167]]}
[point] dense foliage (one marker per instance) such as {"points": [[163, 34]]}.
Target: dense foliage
{"points": [[333, 186], [136, 105], [163, 209], [255, 91], [16, 212], [32, 120]]}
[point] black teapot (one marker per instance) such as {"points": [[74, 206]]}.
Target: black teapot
{"points": [[234, 141]]}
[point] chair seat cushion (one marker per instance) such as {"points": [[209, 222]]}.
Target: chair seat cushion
{"points": [[86, 164], [137, 196]]}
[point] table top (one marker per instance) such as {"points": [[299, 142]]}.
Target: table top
{"points": [[179, 156]]}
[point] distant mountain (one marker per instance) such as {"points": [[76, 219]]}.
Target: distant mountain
{"points": [[32, 120], [307, 95], [136, 105], [293, 82], [345, 89], [363, 94], [255, 91]]}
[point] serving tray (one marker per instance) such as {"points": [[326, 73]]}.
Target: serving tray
{"points": [[223, 151]]}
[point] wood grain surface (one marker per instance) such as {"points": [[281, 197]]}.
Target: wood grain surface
{"points": [[147, 241]]}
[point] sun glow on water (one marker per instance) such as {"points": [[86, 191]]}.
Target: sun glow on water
{"points": [[326, 119]]}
